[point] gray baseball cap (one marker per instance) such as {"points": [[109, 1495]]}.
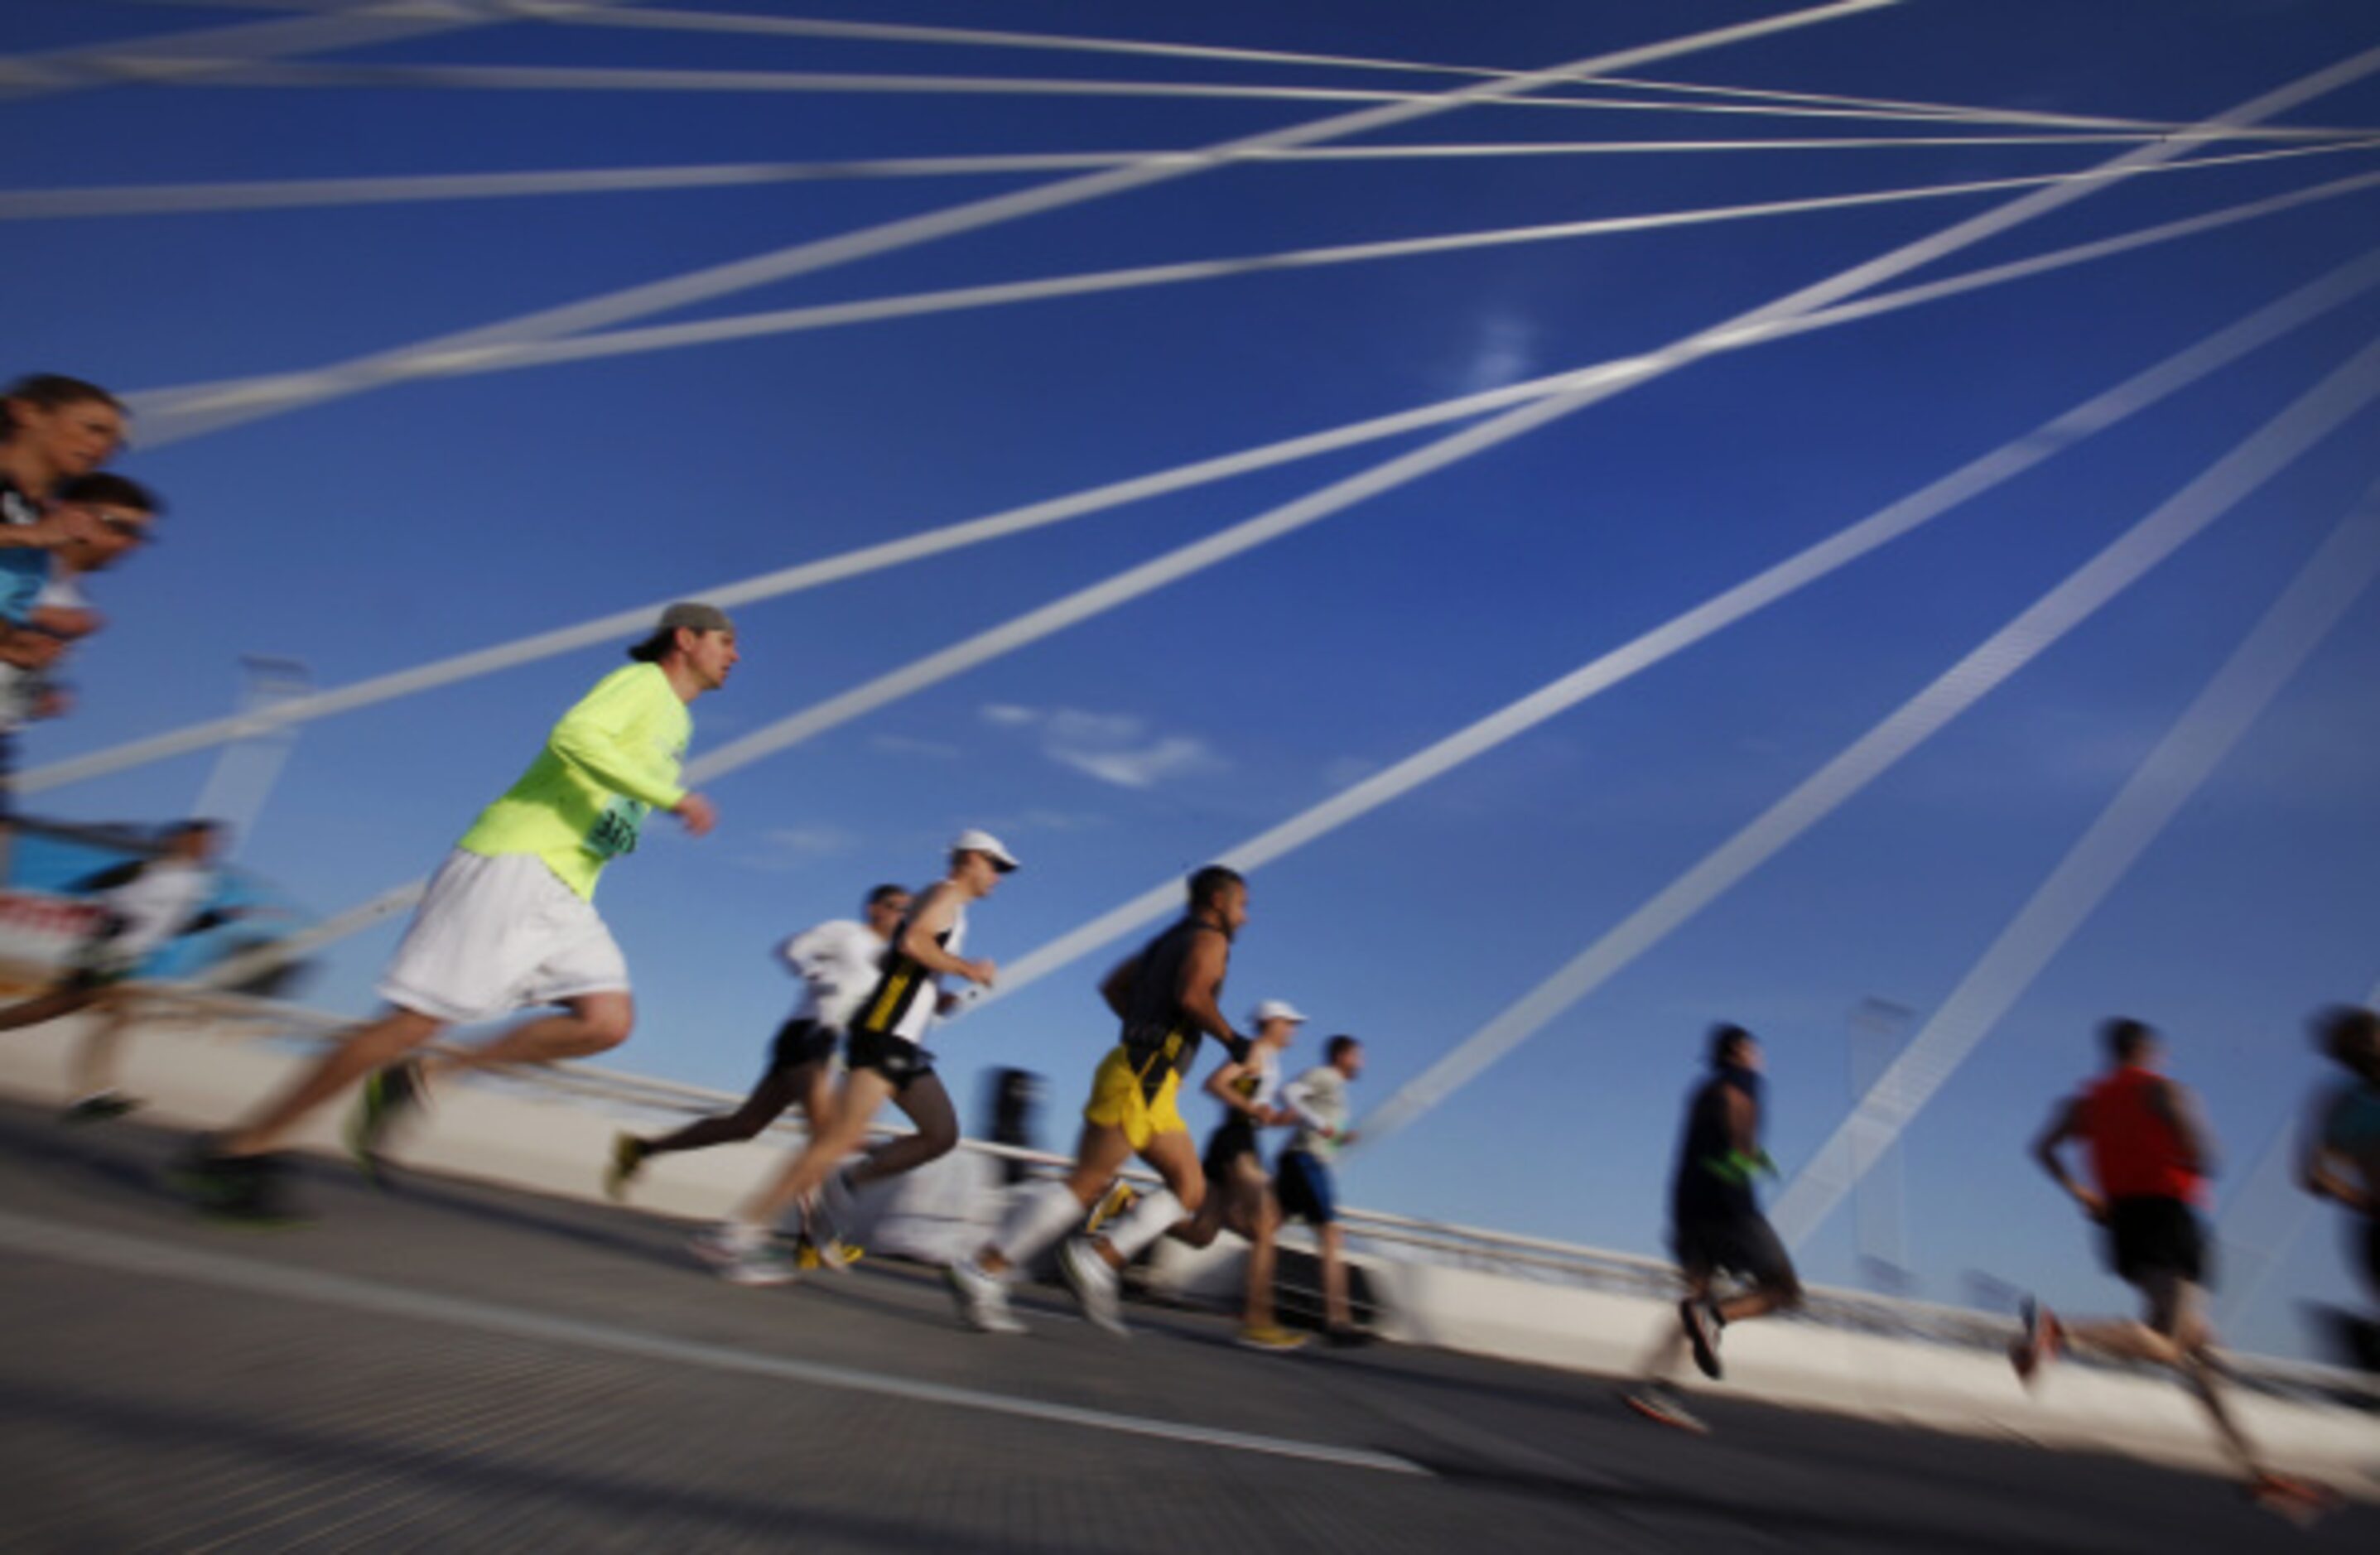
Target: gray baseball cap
{"points": [[691, 615]]}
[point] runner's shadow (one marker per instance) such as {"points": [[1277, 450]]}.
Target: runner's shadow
{"points": [[44, 1142], [635, 1236]]}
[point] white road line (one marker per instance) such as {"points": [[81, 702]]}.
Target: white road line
{"points": [[153, 1259]]}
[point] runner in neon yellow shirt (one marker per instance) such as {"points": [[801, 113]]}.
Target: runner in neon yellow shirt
{"points": [[509, 920], [613, 759]]}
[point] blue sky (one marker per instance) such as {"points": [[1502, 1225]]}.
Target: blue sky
{"points": [[379, 530]]}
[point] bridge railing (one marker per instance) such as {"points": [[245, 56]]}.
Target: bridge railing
{"points": [[1378, 1232]]}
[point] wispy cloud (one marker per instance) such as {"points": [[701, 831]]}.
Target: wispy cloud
{"points": [[1503, 353], [1115, 747]]}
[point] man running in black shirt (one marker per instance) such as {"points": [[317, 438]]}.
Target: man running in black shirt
{"points": [[1717, 1226], [1166, 997]]}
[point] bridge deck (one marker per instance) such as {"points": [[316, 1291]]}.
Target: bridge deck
{"points": [[455, 1368]]}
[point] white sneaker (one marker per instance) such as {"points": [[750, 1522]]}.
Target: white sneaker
{"points": [[1094, 1284], [722, 1243], [982, 1298], [764, 1265]]}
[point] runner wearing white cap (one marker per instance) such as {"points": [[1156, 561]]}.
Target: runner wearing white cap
{"points": [[886, 1061], [1239, 1190]]}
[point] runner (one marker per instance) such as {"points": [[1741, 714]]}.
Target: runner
{"points": [[885, 1060], [1239, 1190], [1305, 1181], [1166, 997], [838, 963], [509, 920], [2341, 1160], [147, 903], [1716, 1227], [2149, 1154], [104, 519]]}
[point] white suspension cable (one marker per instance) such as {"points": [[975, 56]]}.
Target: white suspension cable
{"points": [[146, 200], [191, 54], [745, 24], [169, 423], [1149, 576], [2331, 580], [1594, 387], [793, 321], [2272, 447], [1723, 610], [624, 624]]}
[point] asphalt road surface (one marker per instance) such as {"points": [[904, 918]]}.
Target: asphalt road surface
{"points": [[452, 1368]]}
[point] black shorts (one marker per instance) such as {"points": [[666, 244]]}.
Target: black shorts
{"points": [[896, 1058], [800, 1041], [2372, 1253], [1237, 1138], [2148, 1236], [1738, 1241]]}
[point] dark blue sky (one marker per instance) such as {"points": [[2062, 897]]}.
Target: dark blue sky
{"points": [[378, 530]]}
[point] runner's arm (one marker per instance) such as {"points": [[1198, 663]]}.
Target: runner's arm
{"points": [[1202, 979], [2318, 1164], [1219, 1086], [2064, 1125], [1116, 987], [590, 738], [918, 941]]}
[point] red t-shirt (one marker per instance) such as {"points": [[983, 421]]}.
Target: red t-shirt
{"points": [[2136, 1153]]}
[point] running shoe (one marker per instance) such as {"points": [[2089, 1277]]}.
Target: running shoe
{"points": [[2301, 1501], [982, 1298], [1702, 1324], [388, 1095], [101, 1107], [628, 1154], [245, 1188], [764, 1263], [835, 1254], [1094, 1284], [832, 1212], [722, 1243], [1120, 1197], [1270, 1338], [1660, 1405], [2038, 1344]]}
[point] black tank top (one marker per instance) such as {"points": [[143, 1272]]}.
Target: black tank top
{"points": [[1156, 1028], [1698, 1188]]}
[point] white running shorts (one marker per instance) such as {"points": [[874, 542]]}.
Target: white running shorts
{"points": [[497, 934]]}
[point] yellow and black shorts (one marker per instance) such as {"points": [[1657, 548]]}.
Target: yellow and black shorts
{"points": [[1133, 1097]]}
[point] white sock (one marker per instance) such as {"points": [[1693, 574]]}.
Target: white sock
{"points": [[1158, 1212], [1041, 1214]]}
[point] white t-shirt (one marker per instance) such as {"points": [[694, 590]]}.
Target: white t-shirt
{"points": [[155, 904], [838, 963], [1319, 1097]]}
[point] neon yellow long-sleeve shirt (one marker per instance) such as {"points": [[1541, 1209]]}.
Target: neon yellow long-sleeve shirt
{"points": [[611, 760]]}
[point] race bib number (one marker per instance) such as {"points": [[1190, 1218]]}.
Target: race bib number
{"points": [[615, 832]]}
